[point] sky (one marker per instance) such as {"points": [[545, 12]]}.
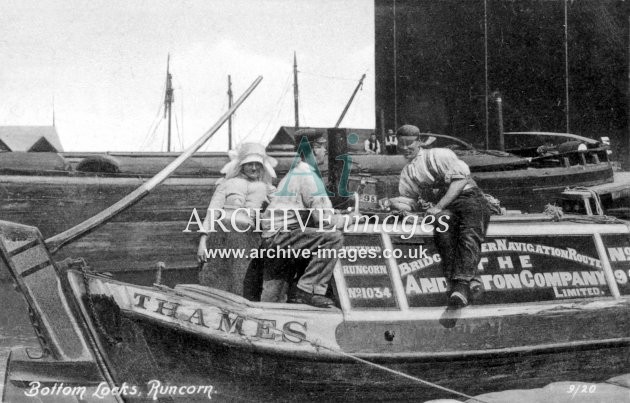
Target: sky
{"points": [[102, 65]]}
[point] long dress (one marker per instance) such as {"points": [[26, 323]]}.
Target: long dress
{"points": [[228, 273]]}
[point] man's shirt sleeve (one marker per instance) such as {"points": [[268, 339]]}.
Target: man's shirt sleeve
{"points": [[449, 166], [310, 185], [407, 186]]}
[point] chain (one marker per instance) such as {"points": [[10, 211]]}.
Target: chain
{"points": [[90, 302]]}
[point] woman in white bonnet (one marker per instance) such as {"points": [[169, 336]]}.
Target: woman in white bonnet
{"points": [[247, 184]]}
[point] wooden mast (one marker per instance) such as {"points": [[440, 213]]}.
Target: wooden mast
{"points": [[566, 65], [395, 57], [485, 92], [295, 92], [168, 100], [229, 92], [350, 101]]}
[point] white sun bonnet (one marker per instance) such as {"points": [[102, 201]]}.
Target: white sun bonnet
{"points": [[250, 152]]}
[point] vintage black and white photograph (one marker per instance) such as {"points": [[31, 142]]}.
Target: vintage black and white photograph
{"points": [[314, 201]]}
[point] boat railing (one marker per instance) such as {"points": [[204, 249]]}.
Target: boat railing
{"points": [[572, 158]]}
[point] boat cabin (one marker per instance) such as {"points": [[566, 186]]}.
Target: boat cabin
{"points": [[525, 259]]}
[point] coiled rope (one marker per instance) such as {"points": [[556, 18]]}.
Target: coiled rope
{"points": [[598, 201]]}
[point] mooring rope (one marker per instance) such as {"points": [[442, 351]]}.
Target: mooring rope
{"points": [[315, 344], [355, 358]]}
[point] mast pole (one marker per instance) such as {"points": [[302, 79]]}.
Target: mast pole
{"points": [[485, 92], [229, 106], [394, 34], [350, 101], [382, 124], [168, 100], [295, 92], [499, 101], [566, 62]]}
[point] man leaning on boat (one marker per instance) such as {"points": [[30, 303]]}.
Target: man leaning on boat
{"points": [[440, 175], [302, 189]]}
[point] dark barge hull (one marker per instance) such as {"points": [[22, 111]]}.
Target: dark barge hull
{"points": [[515, 337], [527, 190], [55, 200], [131, 240], [181, 357]]}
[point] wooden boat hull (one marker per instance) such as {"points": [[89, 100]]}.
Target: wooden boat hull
{"points": [[556, 306], [55, 204], [55, 201], [455, 353], [527, 190], [262, 376]]}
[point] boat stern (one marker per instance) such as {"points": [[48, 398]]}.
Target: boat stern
{"points": [[69, 363]]}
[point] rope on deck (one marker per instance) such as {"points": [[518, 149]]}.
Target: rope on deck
{"points": [[598, 201], [554, 212]]}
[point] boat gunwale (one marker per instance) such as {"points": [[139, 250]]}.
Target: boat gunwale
{"points": [[336, 353], [551, 307], [331, 355]]}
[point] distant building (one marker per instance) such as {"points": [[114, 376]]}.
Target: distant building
{"points": [[30, 139]]}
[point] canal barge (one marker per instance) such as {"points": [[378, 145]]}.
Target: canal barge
{"points": [[54, 192], [555, 306]]}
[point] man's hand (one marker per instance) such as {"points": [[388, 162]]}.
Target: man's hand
{"points": [[355, 217], [201, 250], [424, 205], [433, 210], [403, 204], [455, 188], [385, 204]]}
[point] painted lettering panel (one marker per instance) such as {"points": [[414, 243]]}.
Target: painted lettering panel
{"points": [[618, 250], [511, 270], [366, 273]]}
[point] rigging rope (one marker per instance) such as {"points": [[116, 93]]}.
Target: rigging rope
{"points": [[156, 121], [330, 77], [149, 137], [303, 118], [181, 102], [278, 107], [181, 142]]}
